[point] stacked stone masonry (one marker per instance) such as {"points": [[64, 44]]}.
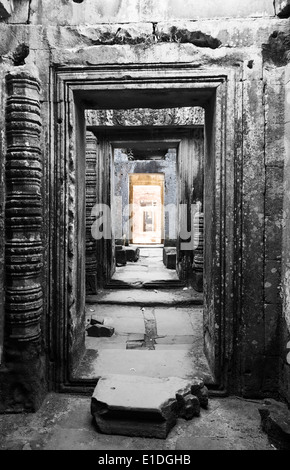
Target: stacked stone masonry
{"points": [[252, 58]]}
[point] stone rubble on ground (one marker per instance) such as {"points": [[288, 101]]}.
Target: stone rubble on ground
{"points": [[275, 419], [145, 406], [97, 320]]}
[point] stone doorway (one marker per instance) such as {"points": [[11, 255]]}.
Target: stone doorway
{"points": [[163, 337], [207, 91], [147, 198]]}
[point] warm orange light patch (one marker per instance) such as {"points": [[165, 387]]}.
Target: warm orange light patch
{"points": [[146, 195]]}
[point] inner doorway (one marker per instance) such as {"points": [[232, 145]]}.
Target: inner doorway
{"points": [[146, 317], [144, 199], [147, 199]]}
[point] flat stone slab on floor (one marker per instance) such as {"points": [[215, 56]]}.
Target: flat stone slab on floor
{"points": [[174, 339], [142, 406], [148, 363], [173, 321]]}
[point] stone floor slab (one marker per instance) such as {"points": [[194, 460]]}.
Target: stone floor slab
{"points": [[172, 347], [149, 363], [173, 321], [115, 342]]}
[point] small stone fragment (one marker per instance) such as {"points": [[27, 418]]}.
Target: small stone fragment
{"points": [[201, 392], [190, 407], [100, 331], [97, 320], [202, 395]]}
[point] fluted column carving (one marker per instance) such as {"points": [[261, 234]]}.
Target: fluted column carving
{"points": [[91, 199], [198, 252], [23, 211]]}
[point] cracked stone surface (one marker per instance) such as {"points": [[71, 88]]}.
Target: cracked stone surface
{"points": [[142, 406]]}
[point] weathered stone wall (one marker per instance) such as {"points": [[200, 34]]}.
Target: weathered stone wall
{"points": [[285, 319], [113, 11], [2, 199], [253, 40]]}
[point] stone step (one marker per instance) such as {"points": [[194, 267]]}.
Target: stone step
{"points": [[162, 284], [169, 257], [145, 406], [149, 297]]}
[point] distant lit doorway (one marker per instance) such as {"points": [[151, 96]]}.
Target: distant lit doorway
{"points": [[146, 194]]}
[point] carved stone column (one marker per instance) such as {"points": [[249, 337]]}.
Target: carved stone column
{"points": [[91, 199], [23, 212], [198, 252]]}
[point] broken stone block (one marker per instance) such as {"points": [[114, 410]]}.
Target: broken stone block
{"points": [[197, 280], [275, 420], [100, 330], [142, 406], [202, 395], [169, 257], [190, 406], [97, 320], [201, 392], [132, 254], [121, 258]]}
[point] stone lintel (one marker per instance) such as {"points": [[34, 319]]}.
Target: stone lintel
{"points": [[187, 116]]}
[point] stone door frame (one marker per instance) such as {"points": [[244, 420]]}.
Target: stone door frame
{"points": [[73, 89]]}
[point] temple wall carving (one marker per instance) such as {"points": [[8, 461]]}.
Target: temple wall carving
{"points": [[24, 248], [91, 199], [146, 117]]}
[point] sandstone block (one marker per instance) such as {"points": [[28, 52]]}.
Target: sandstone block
{"points": [[97, 320], [121, 258], [169, 257], [201, 392], [98, 330], [142, 406], [132, 254], [190, 407]]}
